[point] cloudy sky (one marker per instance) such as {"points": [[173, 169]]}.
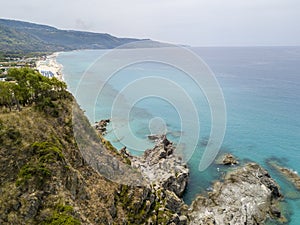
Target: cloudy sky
{"points": [[192, 22]]}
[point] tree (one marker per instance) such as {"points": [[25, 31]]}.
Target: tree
{"points": [[28, 87]]}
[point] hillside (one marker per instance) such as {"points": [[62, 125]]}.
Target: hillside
{"points": [[24, 37], [44, 178]]}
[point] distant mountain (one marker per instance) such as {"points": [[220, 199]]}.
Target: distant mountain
{"points": [[24, 37]]}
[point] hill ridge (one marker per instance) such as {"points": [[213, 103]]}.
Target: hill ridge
{"points": [[26, 37]]}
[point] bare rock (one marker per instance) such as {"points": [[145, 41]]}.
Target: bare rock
{"points": [[248, 195], [161, 166], [227, 159], [101, 126]]}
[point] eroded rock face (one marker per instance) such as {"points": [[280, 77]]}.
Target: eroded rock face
{"points": [[161, 166], [248, 195]]}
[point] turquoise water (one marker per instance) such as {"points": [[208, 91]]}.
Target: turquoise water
{"points": [[262, 96]]}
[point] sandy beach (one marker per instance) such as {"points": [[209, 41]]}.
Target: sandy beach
{"points": [[50, 64]]}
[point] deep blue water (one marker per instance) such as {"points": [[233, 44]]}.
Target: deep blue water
{"points": [[262, 96]]}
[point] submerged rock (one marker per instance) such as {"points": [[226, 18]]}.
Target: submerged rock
{"points": [[248, 195], [289, 174]]}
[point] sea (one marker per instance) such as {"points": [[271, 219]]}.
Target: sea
{"points": [[260, 89]]}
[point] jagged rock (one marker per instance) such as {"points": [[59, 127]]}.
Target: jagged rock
{"points": [[247, 195], [227, 159], [161, 166], [183, 220], [173, 202], [101, 126], [125, 153]]}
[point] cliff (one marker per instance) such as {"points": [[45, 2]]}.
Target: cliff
{"points": [[44, 178]]}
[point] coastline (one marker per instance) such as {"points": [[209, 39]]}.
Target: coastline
{"points": [[50, 64]]}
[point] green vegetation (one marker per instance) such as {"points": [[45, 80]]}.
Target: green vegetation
{"points": [[33, 172], [38, 169], [62, 215], [9, 135], [21, 37], [30, 87], [43, 173], [47, 152]]}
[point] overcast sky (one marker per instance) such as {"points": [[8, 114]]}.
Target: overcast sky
{"points": [[192, 22]]}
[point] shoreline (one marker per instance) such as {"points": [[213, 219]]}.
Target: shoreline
{"points": [[49, 64]]}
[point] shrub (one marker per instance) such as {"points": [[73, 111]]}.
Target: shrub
{"points": [[47, 152], [62, 216], [35, 172]]}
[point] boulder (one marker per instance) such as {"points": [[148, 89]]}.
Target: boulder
{"points": [[101, 126], [227, 159]]}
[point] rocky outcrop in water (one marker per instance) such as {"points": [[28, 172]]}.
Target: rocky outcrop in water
{"points": [[167, 175], [101, 126], [248, 195], [227, 159], [162, 167]]}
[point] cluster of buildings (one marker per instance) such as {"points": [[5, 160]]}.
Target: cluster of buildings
{"points": [[19, 63]]}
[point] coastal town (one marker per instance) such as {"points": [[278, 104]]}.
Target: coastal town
{"points": [[46, 65]]}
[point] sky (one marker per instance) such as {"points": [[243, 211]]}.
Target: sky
{"points": [[190, 22]]}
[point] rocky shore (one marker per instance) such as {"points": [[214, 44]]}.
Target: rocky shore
{"points": [[168, 176], [247, 195], [101, 126], [162, 167]]}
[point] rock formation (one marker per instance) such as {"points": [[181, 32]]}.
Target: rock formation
{"points": [[162, 167], [101, 126], [248, 195], [167, 175], [227, 159]]}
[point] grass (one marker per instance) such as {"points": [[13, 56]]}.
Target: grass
{"points": [[37, 173], [62, 215]]}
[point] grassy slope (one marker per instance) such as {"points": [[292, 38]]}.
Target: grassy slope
{"points": [[38, 183], [45, 180]]}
